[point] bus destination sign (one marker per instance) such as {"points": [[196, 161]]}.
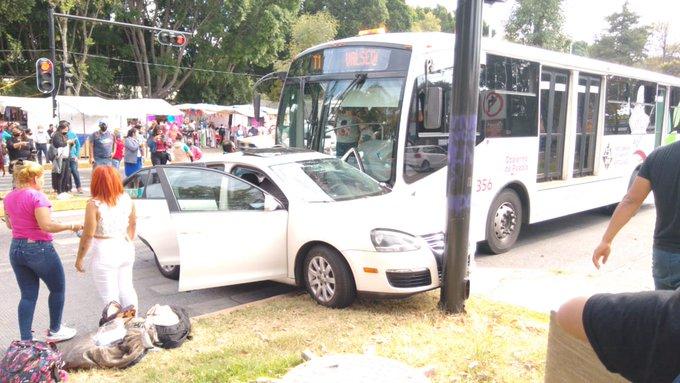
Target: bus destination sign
{"points": [[362, 58]]}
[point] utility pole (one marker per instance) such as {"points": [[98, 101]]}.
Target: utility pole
{"points": [[462, 134], [53, 55]]}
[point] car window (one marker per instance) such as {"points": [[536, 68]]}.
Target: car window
{"points": [[261, 180], [136, 185], [205, 190], [154, 189], [328, 179]]}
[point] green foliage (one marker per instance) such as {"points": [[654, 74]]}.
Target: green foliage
{"points": [[352, 15], [625, 40], [427, 23], [310, 30], [433, 20], [538, 23], [580, 48], [400, 16]]}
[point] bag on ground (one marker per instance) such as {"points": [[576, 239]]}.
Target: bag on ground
{"points": [[172, 323], [32, 361]]}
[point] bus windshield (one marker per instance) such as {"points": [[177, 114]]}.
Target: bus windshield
{"points": [[333, 116]]}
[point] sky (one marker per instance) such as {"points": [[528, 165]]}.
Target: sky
{"points": [[584, 19]]}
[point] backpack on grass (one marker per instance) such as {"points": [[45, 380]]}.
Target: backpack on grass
{"points": [[32, 361], [172, 323]]}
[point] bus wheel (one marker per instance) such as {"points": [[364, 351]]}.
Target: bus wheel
{"points": [[504, 222]]}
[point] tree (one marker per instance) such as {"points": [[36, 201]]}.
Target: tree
{"points": [[447, 19], [580, 48], [428, 22], [400, 16], [352, 15], [538, 23], [625, 40], [667, 58], [310, 30]]}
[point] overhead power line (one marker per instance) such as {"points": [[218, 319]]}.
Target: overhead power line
{"points": [[144, 63]]}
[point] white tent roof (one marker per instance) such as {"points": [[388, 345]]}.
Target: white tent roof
{"points": [[206, 108], [143, 106], [26, 103], [89, 106]]}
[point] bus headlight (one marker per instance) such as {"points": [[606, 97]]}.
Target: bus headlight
{"points": [[386, 240]]}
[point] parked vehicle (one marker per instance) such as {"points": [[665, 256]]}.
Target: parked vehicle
{"points": [[289, 215]]}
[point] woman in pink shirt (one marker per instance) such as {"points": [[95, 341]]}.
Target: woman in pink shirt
{"points": [[32, 255]]}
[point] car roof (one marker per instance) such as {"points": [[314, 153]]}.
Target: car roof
{"points": [[257, 157]]}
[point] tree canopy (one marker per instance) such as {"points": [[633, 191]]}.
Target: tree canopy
{"points": [[625, 39], [538, 23]]}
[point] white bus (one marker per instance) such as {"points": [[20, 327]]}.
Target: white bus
{"points": [[557, 134]]}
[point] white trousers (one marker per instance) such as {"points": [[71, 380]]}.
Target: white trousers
{"points": [[111, 267]]}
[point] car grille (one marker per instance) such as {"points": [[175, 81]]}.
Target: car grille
{"points": [[438, 246], [405, 279]]}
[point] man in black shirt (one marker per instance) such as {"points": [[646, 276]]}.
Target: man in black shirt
{"points": [[18, 146], [660, 174], [633, 334]]}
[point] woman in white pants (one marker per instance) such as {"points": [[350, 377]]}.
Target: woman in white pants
{"points": [[109, 229]]}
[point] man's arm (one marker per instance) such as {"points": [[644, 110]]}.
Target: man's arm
{"points": [[626, 209]]}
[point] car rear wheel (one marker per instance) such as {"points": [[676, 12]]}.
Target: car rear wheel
{"points": [[504, 222], [170, 272], [425, 166], [328, 278]]}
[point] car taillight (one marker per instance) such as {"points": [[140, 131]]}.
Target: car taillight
{"points": [[417, 155]]}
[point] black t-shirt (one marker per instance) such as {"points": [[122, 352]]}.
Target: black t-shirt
{"points": [[23, 152], [662, 169], [636, 334]]}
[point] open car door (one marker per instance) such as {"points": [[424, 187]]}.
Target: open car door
{"points": [[153, 215], [228, 231]]}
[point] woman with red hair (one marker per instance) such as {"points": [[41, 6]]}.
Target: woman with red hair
{"points": [[110, 224]]}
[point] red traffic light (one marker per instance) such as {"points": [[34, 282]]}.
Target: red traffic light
{"points": [[45, 65], [171, 38], [44, 75]]}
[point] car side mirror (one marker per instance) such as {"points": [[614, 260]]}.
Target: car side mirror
{"points": [[433, 107], [270, 203]]}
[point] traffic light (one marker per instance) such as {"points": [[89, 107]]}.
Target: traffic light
{"points": [[44, 75], [66, 76], [172, 38]]}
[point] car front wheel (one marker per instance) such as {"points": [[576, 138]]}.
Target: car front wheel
{"points": [[328, 279]]}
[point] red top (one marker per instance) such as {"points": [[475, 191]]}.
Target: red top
{"points": [[118, 154]]}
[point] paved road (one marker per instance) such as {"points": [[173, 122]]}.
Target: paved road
{"points": [[552, 262], [83, 307]]}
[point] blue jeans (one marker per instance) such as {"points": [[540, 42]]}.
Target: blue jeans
{"points": [[73, 165], [101, 161], [115, 163], [665, 269], [32, 262]]}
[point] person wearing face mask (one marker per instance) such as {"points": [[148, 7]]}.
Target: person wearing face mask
{"points": [[100, 146], [19, 149]]}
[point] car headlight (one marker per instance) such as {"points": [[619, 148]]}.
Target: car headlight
{"points": [[386, 240]]}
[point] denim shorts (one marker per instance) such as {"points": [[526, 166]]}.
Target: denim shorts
{"points": [[665, 269]]}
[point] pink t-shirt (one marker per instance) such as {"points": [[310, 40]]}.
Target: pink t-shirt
{"points": [[20, 205]]}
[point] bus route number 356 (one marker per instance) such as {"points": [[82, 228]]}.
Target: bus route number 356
{"points": [[483, 184]]}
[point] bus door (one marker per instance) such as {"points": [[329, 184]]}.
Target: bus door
{"points": [[660, 106], [290, 124], [554, 93], [586, 124]]}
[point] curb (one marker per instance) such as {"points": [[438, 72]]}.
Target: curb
{"points": [[84, 164], [247, 305], [59, 205]]}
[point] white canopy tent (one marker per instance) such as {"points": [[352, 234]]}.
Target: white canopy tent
{"points": [[38, 110]]}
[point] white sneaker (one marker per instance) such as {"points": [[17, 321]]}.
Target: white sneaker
{"points": [[64, 333]]}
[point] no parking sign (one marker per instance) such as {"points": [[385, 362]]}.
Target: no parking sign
{"points": [[493, 106]]}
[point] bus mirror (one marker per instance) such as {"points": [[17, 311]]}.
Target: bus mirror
{"points": [[433, 107]]}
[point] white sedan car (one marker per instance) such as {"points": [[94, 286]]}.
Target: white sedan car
{"points": [[293, 216]]}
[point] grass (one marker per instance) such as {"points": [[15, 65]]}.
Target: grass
{"points": [[492, 342]]}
